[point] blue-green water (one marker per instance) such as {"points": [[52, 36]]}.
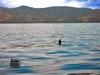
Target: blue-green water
{"points": [[36, 45]]}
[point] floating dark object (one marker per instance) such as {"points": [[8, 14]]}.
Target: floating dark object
{"points": [[59, 42], [15, 63]]}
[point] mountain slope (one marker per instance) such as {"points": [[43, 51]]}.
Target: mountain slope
{"points": [[24, 14]]}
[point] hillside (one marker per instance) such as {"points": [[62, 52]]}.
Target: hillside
{"points": [[24, 14]]}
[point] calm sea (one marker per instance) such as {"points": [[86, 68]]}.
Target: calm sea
{"points": [[36, 45]]}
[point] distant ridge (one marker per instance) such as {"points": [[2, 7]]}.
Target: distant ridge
{"points": [[25, 14]]}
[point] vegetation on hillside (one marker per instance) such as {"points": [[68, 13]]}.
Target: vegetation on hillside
{"points": [[24, 14]]}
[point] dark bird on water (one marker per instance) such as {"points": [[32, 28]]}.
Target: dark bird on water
{"points": [[59, 42]]}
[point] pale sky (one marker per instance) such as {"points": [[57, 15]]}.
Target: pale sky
{"points": [[49, 3]]}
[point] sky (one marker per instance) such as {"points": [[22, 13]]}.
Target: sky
{"points": [[94, 4]]}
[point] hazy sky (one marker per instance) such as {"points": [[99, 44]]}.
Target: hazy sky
{"points": [[48, 3]]}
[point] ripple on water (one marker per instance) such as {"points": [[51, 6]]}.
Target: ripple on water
{"points": [[39, 58], [94, 59], [58, 52], [22, 70], [95, 50], [76, 48], [67, 45], [39, 41], [80, 67], [74, 54]]}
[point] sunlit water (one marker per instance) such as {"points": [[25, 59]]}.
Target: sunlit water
{"points": [[36, 45]]}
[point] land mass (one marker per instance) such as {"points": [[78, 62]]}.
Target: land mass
{"points": [[24, 14]]}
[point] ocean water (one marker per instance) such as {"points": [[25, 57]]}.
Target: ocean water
{"points": [[36, 46]]}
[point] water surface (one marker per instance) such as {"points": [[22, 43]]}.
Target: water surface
{"points": [[36, 45]]}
